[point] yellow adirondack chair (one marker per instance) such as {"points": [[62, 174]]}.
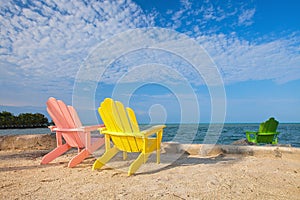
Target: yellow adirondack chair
{"points": [[122, 129]]}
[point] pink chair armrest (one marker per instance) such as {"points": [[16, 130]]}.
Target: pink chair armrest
{"points": [[52, 128], [93, 128]]}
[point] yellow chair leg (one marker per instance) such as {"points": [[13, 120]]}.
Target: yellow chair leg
{"points": [[158, 156], [137, 163], [158, 141], [125, 155], [100, 162]]}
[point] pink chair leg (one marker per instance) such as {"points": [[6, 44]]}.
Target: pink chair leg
{"points": [[96, 143], [78, 158], [55, 153]]}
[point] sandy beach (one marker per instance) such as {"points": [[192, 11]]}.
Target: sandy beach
{"points": [[185, 172]]}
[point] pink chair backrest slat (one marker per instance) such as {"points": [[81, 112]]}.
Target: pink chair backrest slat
{"points": [[69, 122], [55, 113], [63, 118], [75, 116]]}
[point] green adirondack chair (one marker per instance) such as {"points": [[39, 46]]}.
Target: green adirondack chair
{"points": [[266, 133]]}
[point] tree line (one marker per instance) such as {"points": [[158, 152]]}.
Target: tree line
{"points": [[23, 120]]}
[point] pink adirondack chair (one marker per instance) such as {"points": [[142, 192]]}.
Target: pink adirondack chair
{"points": [[69, 127]]}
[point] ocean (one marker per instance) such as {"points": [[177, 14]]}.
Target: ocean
{"points": [[201, 133]]}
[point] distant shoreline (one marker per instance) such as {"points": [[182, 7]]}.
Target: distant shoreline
{"points": [[23, 127], [226, 123]]}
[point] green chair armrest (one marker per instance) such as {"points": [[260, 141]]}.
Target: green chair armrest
{"points": [[271, 133], [251, 136], [252, 132]]}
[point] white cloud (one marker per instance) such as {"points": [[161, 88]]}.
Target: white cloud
{"points": [[48, 40], [240, 60], [149, 47], [209, 17], [237, 59], [43, 43], [246, 17]]}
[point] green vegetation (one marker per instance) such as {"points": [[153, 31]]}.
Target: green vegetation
{"points": [[23, 120]]}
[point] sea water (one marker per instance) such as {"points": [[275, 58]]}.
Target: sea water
{"points": [[201, 133], [289, 134]]}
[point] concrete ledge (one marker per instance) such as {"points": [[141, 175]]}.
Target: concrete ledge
{"points": [[24, 142], [48, 142], [207, 150]]}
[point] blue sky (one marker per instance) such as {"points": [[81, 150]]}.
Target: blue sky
{"points": [[255, 45]]}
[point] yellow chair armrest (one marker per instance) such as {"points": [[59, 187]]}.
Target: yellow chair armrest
{"points": [[144, 133], [152, 130]]}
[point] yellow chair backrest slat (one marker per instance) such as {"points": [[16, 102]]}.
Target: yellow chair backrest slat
{"points": [[123, 118], [132, 118], [118, 119], [118, 142], [108, 115], [107, 120], [135, 144]]}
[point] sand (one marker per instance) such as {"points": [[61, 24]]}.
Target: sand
{"points": [[186, 172]]}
